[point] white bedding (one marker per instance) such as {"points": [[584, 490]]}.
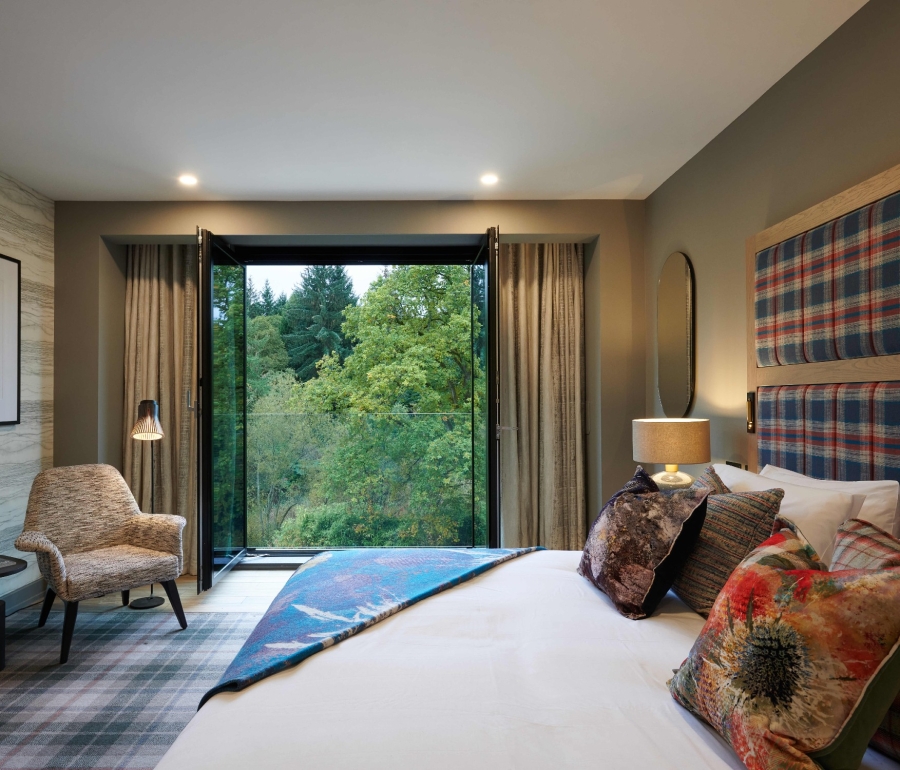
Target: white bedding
{"points": [[526, 666]]}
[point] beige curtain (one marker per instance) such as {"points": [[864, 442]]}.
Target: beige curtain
{"points": [[542, 468], [160, 364]]}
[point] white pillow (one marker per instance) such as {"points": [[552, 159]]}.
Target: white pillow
{"points": [[881, 506], [817, 512]]}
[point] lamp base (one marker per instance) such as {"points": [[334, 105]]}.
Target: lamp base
{"points": [[672, 480], [146, 602]]}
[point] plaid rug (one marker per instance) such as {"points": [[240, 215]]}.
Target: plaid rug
{"points": [[132, 682]]}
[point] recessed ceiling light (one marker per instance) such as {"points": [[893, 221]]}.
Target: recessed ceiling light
{"points": [[489, 179], [188, 179]]}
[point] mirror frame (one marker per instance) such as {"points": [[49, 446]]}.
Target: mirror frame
{"points": [[692, 326]]}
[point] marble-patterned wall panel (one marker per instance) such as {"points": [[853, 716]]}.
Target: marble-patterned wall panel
{"points": [[26, 234]]}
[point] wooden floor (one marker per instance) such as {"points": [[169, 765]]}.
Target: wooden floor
{"points": [[238, 591]]}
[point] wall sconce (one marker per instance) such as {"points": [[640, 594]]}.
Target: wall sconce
{"points": [[751, 412]]}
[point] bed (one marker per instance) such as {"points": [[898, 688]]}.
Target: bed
{"points": [[526, 666], [529, 665]]}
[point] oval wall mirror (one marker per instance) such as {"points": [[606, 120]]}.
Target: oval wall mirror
{"points": [[675, 335]]}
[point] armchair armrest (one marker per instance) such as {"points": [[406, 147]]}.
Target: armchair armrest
{"points": [[39, 543], [157, 532]]}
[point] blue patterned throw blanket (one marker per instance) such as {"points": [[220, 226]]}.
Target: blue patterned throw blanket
{"points": [[339, 593]]}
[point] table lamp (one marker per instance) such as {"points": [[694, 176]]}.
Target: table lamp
{"points": [[148, 428], [672, 442]]}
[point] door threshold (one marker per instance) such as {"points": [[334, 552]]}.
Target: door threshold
{"points": [[273, 561]]}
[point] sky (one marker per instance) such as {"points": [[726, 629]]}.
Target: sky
{"points": [[283, 278]]}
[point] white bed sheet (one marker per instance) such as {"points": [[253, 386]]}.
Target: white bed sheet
{"points": [[526, 666]]}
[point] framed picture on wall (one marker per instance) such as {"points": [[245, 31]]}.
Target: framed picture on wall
{"points": [[10, 338]]}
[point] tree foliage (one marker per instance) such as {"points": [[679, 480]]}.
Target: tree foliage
{"points": [[377, 448], [313, 316]]}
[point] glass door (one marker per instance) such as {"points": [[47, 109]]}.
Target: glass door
{"points": [[486, 410], [223, 407]]}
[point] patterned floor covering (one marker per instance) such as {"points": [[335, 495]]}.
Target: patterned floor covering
{"points": [[132, 683]]}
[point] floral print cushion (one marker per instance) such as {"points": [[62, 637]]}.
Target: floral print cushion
{"points": [[788, 655]]}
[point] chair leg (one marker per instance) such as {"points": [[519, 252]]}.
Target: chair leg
{"points": [[125, 595], [68, 628], [175, 600], [45, 610]]}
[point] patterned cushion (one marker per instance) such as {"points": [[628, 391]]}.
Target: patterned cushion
{"points": [[711, 481], [639, 542], [861, 545], [832, 292], [795, 666], [736, 523]]}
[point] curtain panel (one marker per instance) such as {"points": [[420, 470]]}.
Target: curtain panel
{"points": [[542, 465], [161, 364]]}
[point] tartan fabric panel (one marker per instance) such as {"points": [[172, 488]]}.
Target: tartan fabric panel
{"points": [[819, 426], [764, 293], [832, 292], [735, 524], [848, 432], [861, 545], [854, 432], [886, 431], [780, 426], [818, 293], [767, 424], [788, 303], [852, 337], [885, 248]]}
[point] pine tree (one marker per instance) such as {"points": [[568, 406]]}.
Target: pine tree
{"points": [[267, 299], [313, 316], [254, 309]]}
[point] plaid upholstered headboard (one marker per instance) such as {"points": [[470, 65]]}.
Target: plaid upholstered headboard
{"points": [[823, 358]]}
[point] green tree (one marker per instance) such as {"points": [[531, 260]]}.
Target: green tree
{"points": [[402, 471], [313, 316], [254, 309], [228, 393], [266, 354]]}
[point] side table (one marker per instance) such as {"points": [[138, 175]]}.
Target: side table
{"points": [[8, 566]]}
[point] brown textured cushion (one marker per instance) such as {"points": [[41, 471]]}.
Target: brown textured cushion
{"points": [[736, 523], [639, 542]]}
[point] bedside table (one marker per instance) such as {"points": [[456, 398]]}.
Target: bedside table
{"points": [[8, 566]]}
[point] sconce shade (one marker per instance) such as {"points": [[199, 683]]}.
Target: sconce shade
{"points": [[682, 441], [147, 427]]}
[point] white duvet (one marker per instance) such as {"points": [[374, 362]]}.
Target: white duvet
{"points": [[526, 666]]}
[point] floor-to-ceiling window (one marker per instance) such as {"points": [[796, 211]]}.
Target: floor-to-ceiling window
{"points": [[349, 403]]}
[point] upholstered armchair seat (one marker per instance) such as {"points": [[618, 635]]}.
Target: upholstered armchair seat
{"points": [[91, 539], [117, 568]]}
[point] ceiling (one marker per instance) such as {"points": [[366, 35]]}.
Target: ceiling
{"points": [[382, 99]]}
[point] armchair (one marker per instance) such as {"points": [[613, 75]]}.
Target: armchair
{"points": [[91, 539]]}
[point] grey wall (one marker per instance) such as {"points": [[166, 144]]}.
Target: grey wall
{"points": [[832, 122], [26, 234], [90, 298]]}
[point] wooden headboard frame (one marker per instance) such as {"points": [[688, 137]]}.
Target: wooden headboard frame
{"points": [[874, 369]]}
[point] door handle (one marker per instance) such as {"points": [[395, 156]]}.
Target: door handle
{"points": [[502, 428]]}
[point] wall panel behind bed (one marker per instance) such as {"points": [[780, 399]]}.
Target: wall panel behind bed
{"points": [[823, 353]]}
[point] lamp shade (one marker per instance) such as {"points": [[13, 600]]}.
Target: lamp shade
{"points": [[147, 427], [682, 441]]}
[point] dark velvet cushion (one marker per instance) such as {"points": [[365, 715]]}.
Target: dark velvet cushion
{"points": [[639, 542]]}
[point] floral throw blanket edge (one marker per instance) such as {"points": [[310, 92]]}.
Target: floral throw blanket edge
{"points": [[339, 593]]}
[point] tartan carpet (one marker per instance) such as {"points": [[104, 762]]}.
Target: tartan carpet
{"points": [[132, 683]]}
